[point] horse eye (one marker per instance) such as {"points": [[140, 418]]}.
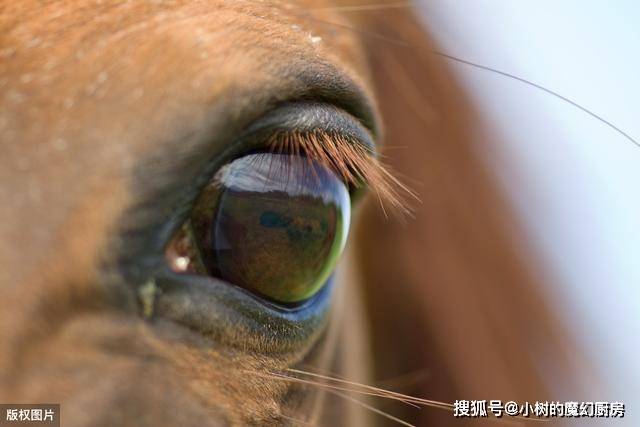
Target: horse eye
{"points": [[273, 224]]}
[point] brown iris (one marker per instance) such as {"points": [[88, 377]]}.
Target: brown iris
{"points": [[274, 224]]}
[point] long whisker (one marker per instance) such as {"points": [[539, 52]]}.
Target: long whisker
{"points": [[403, 380], [542, 88], [401, 42], [377, 390], [406, 398], [351, 383], [283, 377], [366, 390]]}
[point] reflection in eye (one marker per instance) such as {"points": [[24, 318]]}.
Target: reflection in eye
{"points": [[274, 224]]}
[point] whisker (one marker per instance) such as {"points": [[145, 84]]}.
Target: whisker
{"points": [[376, 392], [410, 399], [386, 393], [544, 89], [525, 81], [364, 386], [282, 377], [402, 380]]}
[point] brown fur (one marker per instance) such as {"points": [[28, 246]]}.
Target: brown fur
{"points": [[93, 92]]}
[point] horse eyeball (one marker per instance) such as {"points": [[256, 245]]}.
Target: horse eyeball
{"points": [[274, 224]]}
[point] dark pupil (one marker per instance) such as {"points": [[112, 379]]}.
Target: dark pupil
{"points": [[278, 226]]}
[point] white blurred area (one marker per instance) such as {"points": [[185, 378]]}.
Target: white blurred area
{"points": [[572, 179]]}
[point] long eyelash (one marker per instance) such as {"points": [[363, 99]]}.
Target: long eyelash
{"points": [[352, 161]]}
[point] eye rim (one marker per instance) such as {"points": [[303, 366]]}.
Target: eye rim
{"points": [[299, 327]]}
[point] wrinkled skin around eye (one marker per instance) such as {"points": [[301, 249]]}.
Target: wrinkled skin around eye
{"points": [[274, 224]]}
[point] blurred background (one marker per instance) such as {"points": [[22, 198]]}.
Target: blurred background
{"points": [[572, 179], [535, 293]]}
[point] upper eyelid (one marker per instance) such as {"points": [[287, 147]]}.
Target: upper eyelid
{"points": [[206, 146], [308, 117], [316, 83]]}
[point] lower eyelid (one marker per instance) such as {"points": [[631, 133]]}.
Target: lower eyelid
{"points": [[234, 317]]}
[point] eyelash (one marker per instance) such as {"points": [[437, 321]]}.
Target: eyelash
{"points": [[350, 160]]}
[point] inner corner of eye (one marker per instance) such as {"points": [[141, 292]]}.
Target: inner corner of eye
{"points": [[274, 224]]}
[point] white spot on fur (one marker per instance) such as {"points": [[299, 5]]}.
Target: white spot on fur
{"points": [[315, 39]]}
